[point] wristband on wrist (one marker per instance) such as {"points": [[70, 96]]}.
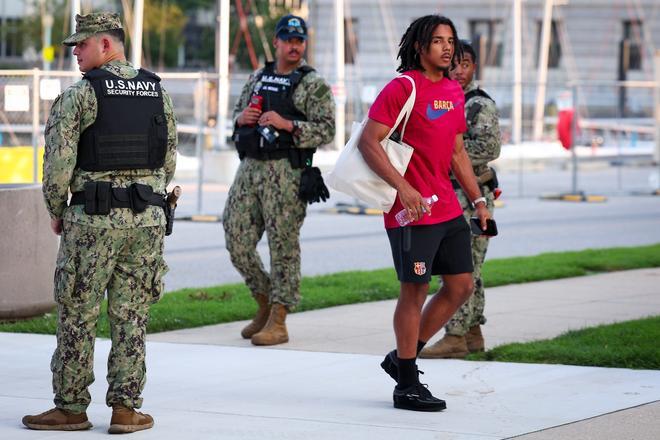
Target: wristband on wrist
{"points": [[477, 200]]}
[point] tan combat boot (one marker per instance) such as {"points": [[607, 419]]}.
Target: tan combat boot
{"points": [[126, 420], [58, 419], [260, 318], [474, 339], [275, 330], [449, 347]]}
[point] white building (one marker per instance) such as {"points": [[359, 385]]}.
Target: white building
{"points": [[589, 40]]}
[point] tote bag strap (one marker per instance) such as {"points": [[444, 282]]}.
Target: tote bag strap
{"points": [[406, 110]]}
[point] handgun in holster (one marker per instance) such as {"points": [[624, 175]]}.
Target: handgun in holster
{"points": [[494, 185], [489, 179], [170, 208]]}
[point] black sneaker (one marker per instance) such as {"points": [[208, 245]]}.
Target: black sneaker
{"points": [[391, 365], [417, 397]]}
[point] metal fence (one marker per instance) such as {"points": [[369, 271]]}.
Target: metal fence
{"points": [[616, 119]]}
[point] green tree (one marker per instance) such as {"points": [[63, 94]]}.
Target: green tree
{"points": [[269, 15], [32, 28], [205, 53], [164, 21]]}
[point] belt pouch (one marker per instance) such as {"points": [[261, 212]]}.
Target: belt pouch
{"points": [[247, 141], [98, 198], [90, 198], [139, 195]]}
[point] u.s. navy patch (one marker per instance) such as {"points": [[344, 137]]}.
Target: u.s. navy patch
{"points": [[130, 87]]}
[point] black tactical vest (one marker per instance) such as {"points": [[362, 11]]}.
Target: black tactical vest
{"points": [[475, 108], [277, 92], [130, 130]]}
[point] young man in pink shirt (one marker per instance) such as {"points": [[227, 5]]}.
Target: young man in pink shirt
{"points": [[437, 242]]}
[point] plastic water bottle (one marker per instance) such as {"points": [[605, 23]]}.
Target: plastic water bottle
{"points": [[404, 218]]}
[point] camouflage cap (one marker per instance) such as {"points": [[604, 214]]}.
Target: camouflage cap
{"points": [[90, 24]]}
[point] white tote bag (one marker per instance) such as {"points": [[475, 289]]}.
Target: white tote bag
{"points": [[353, 176]]}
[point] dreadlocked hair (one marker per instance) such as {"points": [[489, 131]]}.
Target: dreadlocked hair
{"points": [[420, 34]]}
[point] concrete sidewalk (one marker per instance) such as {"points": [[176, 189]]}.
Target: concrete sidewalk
{"points": [[207, 383], [516, 313]]}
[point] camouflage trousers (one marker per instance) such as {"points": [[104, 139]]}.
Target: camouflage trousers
{"points": [[264, 197], [471, 313], [129, 264]]}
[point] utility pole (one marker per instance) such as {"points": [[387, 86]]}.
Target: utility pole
{"points": [[136, 42], [539, 110], [657, 114], [75, 10], [222, 46], [516, 110], [340, 79], [47, 50]]}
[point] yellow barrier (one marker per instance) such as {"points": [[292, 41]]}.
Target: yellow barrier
{"points": [[16, 164]]}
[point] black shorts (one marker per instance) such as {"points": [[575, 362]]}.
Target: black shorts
{"points": [[444, 247]]}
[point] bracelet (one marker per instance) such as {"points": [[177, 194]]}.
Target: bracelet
{"points": [[477, 200]]}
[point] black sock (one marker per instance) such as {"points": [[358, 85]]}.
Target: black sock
{"points": [[407, 372], [420, 346]]}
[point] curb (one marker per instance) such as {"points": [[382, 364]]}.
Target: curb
{"points": [[201, 218], [655, 192], [341, 208], [578, 197]]}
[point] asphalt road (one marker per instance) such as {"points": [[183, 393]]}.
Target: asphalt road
{"points": [[330, 243]]}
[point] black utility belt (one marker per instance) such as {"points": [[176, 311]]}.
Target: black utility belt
{"points": [[268, 155], [100, 197]]}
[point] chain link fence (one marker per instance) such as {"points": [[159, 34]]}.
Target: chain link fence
{"points": [[616, 121]]}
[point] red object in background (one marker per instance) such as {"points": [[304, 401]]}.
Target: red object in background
{"points": [[255, 102], [564, 131]]}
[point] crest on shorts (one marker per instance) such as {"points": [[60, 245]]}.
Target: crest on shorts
{"points": [[420, 268]]}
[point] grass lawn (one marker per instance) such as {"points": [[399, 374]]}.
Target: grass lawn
{"points": [[189, 308], [630, 344]]}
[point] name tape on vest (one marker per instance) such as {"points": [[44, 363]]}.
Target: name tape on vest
{"points": [[281, 80], [130, 87]]}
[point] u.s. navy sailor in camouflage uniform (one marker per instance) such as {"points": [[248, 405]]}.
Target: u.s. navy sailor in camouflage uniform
{"points": [[482, 143], [112, 134], [290, 98]]}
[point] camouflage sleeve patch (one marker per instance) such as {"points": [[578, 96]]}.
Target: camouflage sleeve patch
{"points": [[172, 138], [61, 134], [314, 98], [321, 91], [482, 140]]}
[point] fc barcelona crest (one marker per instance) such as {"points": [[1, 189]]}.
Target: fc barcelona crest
{"points": [[420, 268]]}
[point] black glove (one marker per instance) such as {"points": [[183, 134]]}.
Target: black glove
{"points": [[312, 188]]}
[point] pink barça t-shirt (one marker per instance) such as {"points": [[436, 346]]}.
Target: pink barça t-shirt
{"points": [[437, 118]]}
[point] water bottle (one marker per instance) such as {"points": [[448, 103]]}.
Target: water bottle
{"points": [[404, 218]]}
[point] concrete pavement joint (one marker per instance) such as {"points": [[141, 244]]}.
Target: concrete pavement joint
{"points": [[583, 420]]}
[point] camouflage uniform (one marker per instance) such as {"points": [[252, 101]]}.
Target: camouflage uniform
{"points": [[482, 143], [121, 252], [264, 197]]}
